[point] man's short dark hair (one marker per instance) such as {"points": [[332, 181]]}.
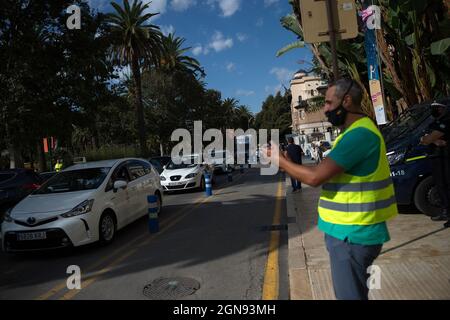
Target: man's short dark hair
{"points": [[354, 90], [291, 140]]}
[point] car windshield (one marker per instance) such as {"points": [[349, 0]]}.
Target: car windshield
{"points": [[186, 162], [407, 122], [75, 180]]}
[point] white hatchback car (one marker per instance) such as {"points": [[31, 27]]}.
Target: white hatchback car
{"points": [[186, 175], [82, 204]]}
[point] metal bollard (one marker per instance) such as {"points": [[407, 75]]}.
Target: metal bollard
{"points": [[153, 221], [229, 174], [241, 168], [208, 186]]}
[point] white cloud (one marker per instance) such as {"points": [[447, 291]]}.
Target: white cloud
{"points": [[228, 7], [166, 30], [282, 74], [219, 42], [268, 3], [242, 37], [157, 6], [231, 67], [197, 50], [182, 5], [244, 93]]}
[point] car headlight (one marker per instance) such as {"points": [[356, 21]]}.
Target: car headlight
{"points": [[191, 175], [162, 178], [395, 157], [82, 208], [7, 216]]}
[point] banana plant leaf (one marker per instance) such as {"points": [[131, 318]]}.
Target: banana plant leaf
{"points": [[294, 45], [440, 47]]}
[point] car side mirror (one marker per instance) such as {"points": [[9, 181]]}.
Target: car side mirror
{"points": [[120, 184]]}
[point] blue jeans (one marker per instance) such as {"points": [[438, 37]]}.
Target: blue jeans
{"points": [[296, 184], [349, 263]]}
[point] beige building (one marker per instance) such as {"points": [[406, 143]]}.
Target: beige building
{"points": [[314, 125]]}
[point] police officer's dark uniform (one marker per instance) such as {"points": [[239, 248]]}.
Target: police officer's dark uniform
{"points": [[440, 159]]}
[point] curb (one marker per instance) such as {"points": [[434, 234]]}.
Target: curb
{"points": [[299, 281]]}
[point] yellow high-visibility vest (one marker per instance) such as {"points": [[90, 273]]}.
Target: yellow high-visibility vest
{"points": [[58, 167], [352, 200]]}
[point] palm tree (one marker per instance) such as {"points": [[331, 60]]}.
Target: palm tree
{"points": [[137, 44], [243, 117], [228, 108], [175, 60]]}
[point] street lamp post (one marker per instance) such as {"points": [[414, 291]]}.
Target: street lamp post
{"points": [[333, 41]]}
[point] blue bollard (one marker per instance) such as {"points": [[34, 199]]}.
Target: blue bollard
{"points": [[153, 222], [208, 186]]}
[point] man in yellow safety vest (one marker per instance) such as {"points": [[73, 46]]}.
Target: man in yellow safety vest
{"points": [[357, 196], [58, 165]]}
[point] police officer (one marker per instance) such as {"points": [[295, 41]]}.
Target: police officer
{"points": [[439, 142], [58, 165]]}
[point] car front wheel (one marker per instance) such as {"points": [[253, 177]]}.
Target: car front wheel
{"points": [[426, 198], [107, 228]]}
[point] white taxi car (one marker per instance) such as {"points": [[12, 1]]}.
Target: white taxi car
{"points": [[186, 175], [84, 203]]}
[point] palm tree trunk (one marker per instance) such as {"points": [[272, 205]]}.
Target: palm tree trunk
{"points": [[139, 106]]}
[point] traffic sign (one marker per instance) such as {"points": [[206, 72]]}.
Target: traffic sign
{"points": [[315, 20]]}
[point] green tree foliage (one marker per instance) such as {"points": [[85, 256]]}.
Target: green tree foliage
{"points": [[49, 76], [275, 113], [63, 83], [413, 44], [137, 44]]}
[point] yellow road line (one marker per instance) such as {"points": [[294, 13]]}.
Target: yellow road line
{"points": [[271, 276], [86, 283]]}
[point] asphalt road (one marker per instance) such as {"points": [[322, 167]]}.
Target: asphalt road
{"points": [[221, 242]]}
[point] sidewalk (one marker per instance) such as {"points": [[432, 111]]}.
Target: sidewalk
{"points": [[415, 264]]}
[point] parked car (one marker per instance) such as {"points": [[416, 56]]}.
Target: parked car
{"points": [[410, 167], [16, 184], [159, 163], [186, 175], [220, 158], [82, 204], [47, 175]]}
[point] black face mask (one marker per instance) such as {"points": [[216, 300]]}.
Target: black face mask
{"points": [[337, 116]]}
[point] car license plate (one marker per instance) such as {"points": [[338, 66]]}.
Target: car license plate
{"points": [[31, 236], [173, 184]]}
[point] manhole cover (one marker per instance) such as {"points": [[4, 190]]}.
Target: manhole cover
{"points": [[171, 288]]}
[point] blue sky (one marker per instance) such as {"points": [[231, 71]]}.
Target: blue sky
{"points": [[234, 40]]}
